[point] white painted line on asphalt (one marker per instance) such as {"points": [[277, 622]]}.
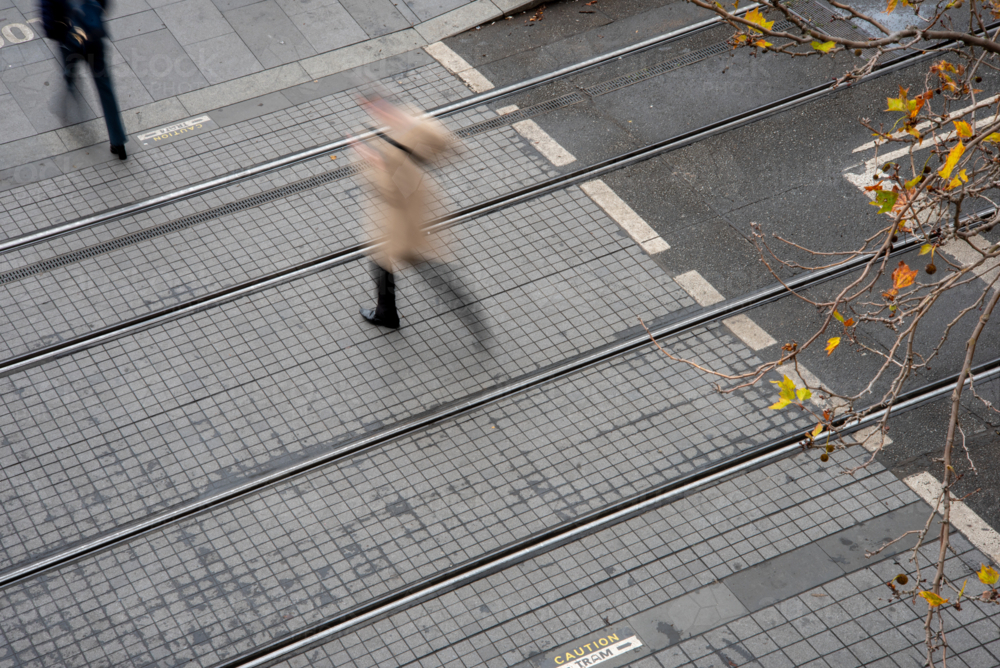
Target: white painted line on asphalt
{"points": [[964, 255], [503, 111], [957, 115], [699, 289], [741, 325], [625, 216], [545, 144], [870, 440], [963, 518], [749, 332], [458, 66], [928, 488], [805, 377]]}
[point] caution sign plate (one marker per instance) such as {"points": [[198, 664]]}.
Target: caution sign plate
{"points": [[599, 649], [175, 131]]}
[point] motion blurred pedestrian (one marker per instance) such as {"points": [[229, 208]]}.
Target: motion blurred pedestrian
{"points": [[406, 194], [78, 27]]}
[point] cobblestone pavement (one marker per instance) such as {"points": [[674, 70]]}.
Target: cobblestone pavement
{"points": [[287, 370], [766, 568], [236, 577], [93, 289], [256, 138]]}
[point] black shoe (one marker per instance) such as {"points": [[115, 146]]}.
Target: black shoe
{"points": [[369, 315], [119, 151]]}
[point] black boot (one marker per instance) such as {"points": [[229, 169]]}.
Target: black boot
{"points": [[384, 314]]}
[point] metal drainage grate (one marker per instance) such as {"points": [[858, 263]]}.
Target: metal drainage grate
{"points": [[829, 21], [519, 115], [667, 66], [179, 224]]}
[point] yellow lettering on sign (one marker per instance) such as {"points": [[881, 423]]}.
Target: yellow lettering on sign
{"points": [[585, 650]]}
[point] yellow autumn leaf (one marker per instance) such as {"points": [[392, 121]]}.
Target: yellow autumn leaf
{"points": [[897, 104], [926, 248], [993, 137], [756, 18], [786, 394], [903, 276], [953, 157], [962, 129], [988, 575], [817, 431], [958, 180], [825, 47], [803, 394], [933, 599], [832, 344], [838, 316]]}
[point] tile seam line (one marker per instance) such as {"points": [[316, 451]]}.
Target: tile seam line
{"points": [[278, 163], [454, 577], [419, 423]]}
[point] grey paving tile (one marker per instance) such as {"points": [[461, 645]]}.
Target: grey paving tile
{"points": [[39, 91], [191, 21], [428, 9], [161, 64], [328, 26], [15, 119], [224, 58], [135, 24], [377, 17], [269, 33]]}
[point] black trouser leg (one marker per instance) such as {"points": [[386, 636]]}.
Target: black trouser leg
{"points": [[386, 286]]}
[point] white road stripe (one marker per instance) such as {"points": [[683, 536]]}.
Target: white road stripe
{"points": [[928, 488], [964, 255], [742, 326], [804, 377], [963, 518], [625, 216], [545, 144], [458, 66]]}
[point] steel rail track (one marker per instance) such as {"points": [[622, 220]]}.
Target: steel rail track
{"points": [[699, 318], [544, 541], [194, 190], [103, 335]]}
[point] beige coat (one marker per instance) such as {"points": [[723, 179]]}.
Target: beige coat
{"points": [[407, 193]]}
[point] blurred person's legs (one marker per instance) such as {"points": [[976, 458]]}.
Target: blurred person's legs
{"points": [[384, 313], [445, 281], [112, 115], [69, 61]]}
